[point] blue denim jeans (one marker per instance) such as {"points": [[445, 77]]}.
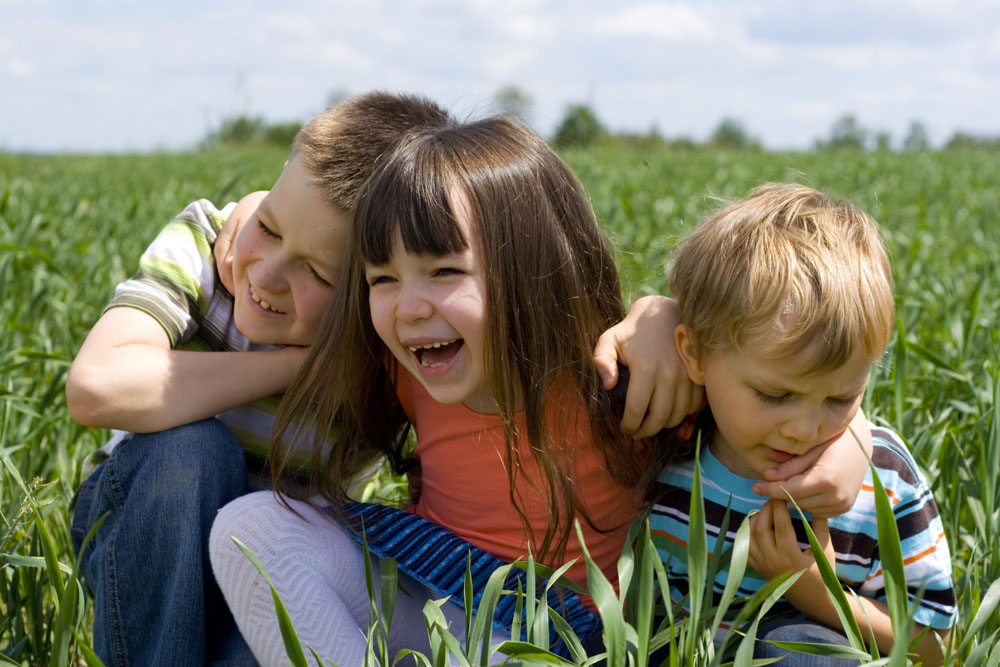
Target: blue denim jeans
{"points": [[800, 630], [155, 599]]}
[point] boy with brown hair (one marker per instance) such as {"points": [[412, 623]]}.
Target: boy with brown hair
{"points": [[786, 302], [175, 348]]}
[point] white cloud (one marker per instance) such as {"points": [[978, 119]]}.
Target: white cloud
{"points": [[20, 68], [671, 22]]}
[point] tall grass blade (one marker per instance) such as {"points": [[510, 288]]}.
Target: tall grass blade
{"points": [[387, 588], [891, 553], [899, 393], [833, 585], [737, 568], [482, 628], [987, 607], [69, 614], [468, 595], [644, 597], [292, 645], [766, 597], [608, 606], [697, 558], [49, 552]]}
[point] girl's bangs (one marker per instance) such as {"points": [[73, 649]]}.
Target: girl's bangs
{"points": [[414, 204]]}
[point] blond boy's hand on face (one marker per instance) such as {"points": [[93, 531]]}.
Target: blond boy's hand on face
{"points": [[826, 480], [775, 549], [660, 394], [223, 247]]}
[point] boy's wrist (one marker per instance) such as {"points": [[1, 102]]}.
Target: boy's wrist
{"points": [[810, 597]]}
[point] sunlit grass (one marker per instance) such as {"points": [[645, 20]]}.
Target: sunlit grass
{"points": [[72, 227]]}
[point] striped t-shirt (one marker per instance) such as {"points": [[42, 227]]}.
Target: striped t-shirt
{"points": [[178, 286], [927, 561]]}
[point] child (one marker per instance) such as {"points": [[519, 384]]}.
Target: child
{"points": [[786, 301], [477, 284], [174, 348]]}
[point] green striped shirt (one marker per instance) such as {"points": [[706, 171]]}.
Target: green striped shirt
{"points": [[178, 286]]}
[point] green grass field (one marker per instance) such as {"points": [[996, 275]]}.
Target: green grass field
{"points": [[73, 227]]}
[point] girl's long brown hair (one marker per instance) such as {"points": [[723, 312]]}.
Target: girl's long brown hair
{"points": [[552, 289]]}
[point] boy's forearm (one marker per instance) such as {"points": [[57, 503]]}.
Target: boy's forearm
{"points": [[144, 388], [872, 617]]}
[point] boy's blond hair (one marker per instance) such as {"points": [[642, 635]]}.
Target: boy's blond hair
{"points": [[341, 146], [789, 265]]}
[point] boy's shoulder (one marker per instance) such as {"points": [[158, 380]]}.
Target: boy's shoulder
{"points": [[893, 461], [205, 214]]}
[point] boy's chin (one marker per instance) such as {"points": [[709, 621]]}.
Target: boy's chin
{"points": [[255, 333]]}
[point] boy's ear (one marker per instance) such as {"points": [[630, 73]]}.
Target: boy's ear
{"points": [[687, 350]]}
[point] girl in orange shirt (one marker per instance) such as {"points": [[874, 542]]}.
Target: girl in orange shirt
{"points": [[477, 284]]}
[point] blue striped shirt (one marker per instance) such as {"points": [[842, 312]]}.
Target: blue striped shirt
{"points": [[927, 561]]}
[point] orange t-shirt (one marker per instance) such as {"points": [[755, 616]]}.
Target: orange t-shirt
{"points": [[464, 485]]}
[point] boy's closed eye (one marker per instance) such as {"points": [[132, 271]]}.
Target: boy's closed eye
{"points": [[267, 231], [785, 397], [320, 279]]}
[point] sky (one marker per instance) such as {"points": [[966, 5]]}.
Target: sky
{"points": [[138, 75]]}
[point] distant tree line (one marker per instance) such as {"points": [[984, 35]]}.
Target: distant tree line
{"points": [[248, 131], [581, 127]]}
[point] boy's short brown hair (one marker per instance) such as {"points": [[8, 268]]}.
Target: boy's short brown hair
{"points": [[340, 146], [790, 265]]}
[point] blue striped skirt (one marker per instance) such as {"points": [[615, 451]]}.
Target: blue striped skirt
{"points": [[438, 558]]}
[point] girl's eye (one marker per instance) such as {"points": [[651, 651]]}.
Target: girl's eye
{"points": [[448, 271], [266, 231], [378, 280], [770, 398]]}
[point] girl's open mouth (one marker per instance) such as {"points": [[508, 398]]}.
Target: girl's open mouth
{"points": [[436, 355]]}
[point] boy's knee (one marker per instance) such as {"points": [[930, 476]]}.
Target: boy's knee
{"points": [[202, 455]]}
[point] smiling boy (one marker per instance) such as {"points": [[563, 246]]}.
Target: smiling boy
{"points": [[174, 349], [786, 302]]}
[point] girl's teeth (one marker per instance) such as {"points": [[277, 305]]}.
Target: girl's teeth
{"points": [[414, 348]]}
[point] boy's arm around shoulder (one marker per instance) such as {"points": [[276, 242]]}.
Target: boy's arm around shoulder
{"points": [[126, 376]]}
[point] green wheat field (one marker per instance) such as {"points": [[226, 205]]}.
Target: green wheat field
{"points": [[71, 227]]}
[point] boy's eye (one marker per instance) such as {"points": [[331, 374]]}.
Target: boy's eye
{"points": [[320, 279], [770, 398], [843, 401], [266, 230]]}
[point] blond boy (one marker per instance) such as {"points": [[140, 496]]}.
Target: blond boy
{"points": [[786, 302]]}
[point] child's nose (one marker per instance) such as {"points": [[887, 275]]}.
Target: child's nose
{"points": [[803, 427], [271, 274], [412, 304]]}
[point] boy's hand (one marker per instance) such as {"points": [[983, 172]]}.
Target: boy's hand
{"points": [[660, 394], [826, 480], [224, 241], [774, 549]]}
